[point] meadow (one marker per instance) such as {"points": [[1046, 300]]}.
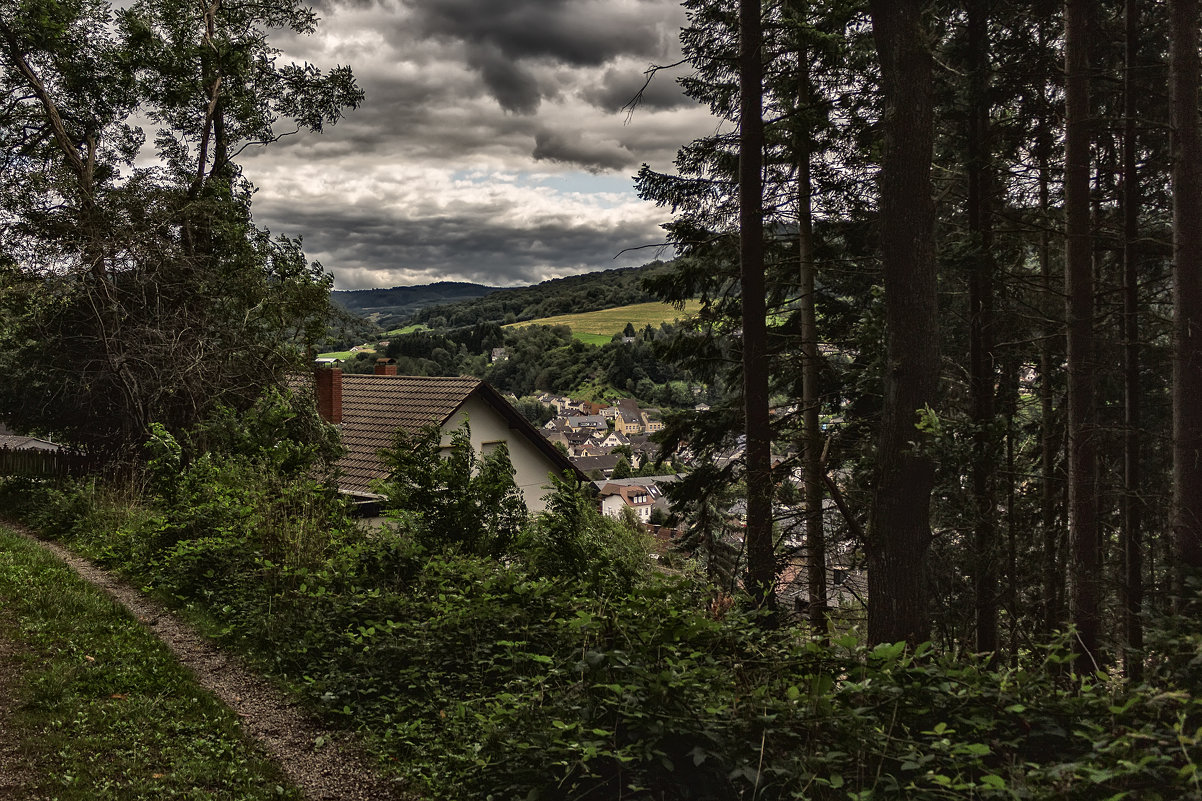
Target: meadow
{"points": [[598, 327]]}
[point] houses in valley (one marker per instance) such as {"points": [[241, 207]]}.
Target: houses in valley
{"points": [[591, 432]]}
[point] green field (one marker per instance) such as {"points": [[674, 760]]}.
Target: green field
{"points": [[409, 329], [593, 339], [597, 327]]}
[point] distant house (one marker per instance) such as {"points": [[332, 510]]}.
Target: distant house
{"points": [[370, 409], [637, 497], [651, 421], [589, 422], [601, 466], [641, 494], [556, 438], [629, 419], [18, 442], [615, 438], [499, 355], [34, 457]]}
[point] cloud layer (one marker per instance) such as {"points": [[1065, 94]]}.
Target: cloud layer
{"points": [[492, 145]]}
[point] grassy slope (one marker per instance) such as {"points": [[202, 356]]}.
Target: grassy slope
{"points": [[607, 322], [108, 713]]}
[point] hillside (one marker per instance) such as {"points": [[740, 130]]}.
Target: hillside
{"points": [[573, 294], [597, 327], [380, 305]]}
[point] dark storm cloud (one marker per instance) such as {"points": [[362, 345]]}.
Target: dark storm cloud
{"points": [[363, 249], [573, 32], [513, 86], [619, 88], [468, 158], [502, 39], [575, 149]]}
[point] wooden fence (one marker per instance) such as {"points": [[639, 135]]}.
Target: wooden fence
{"points": [[44, 464]]}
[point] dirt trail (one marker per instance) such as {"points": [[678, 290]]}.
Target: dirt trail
{"points": [[338, 771]]}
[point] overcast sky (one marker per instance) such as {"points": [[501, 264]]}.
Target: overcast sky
{"points": [[492, 145]]}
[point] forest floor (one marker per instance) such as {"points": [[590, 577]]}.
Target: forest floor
{"points": [[322, 763]]}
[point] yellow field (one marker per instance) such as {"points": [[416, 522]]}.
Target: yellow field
{"points": [[608, 322]]}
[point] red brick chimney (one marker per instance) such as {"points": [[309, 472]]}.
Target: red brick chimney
{"points": [[385, 366], [329, 394]]}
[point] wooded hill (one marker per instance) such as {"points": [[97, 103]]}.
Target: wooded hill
{"points": [[604, 289], [378, 305]]}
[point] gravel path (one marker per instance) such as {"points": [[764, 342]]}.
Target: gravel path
{"points": [[337, 771]]}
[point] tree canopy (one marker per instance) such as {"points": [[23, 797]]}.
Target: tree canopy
{"points": [[135, 286]]}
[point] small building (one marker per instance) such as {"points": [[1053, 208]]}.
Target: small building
{"points": [[598, 466], [19, 442], [636, 497], [628, 423], [588, 422], [370, 409], [651, 421]]}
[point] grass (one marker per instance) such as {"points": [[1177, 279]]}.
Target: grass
{"points": [[607, 322], [337, 354], [409, 329], [593, 339], [107, 712]]}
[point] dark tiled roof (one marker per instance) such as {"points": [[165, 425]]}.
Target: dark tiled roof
{"points": [[586, 463], [18, 442], [374, 408]]}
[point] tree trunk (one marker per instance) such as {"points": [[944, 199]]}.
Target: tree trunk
{"points": [[761, 564], [1187, 296], [1078, 284], [1050, 487], [899, 518], [980, 348], [811, 466], [1131, 582]]}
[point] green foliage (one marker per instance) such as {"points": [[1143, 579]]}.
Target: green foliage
{"points": [[448, 498], [577, 293], [550, 677], [573, 540], [131, 294]]}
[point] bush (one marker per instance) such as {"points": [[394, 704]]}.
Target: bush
{"points": [[571, 670]]}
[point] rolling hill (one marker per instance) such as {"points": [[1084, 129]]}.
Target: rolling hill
{"points": [[598, 327], [378, 305]]}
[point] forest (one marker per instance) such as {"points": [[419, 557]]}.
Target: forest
{"points": [[947, 254], [970, 227]]}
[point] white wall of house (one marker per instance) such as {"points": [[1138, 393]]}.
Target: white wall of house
{"points": [[532, 467], [611, 505]]}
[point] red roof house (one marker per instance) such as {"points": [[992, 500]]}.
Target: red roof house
{"points": [[370, 409]]}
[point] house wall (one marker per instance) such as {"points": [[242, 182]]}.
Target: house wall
{"points": [[612, 505], [532, 467]]}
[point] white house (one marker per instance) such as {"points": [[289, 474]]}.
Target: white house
{"points": [[370, 409], [638, 497]]}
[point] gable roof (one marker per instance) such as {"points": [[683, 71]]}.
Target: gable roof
{"points": [[375, 407], [17, 442], [604, 462]]}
